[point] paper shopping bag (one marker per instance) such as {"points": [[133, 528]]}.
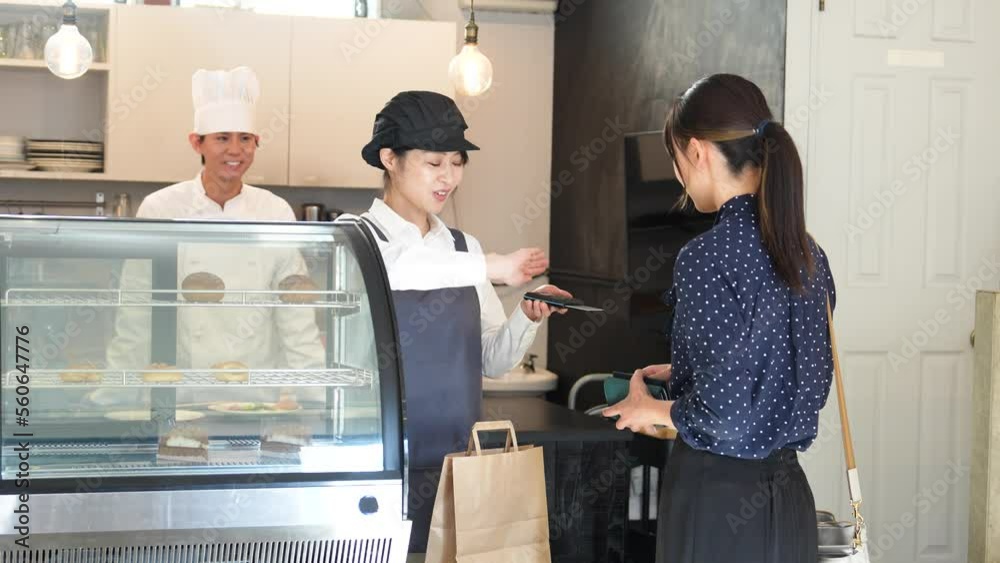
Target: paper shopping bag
{"points": [[490, 505]]}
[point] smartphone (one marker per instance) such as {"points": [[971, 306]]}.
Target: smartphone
{"points": [[561, 302]]}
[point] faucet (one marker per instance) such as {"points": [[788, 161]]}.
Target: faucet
{"points": [[529, 364]]}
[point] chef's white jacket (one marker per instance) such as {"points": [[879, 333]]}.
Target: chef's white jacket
{"points": [[260, 337], [422, 262]]}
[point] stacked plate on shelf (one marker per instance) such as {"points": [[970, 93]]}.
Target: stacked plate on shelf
{"points": [[12, 154], [66, 156]]}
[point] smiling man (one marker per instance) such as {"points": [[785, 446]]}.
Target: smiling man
{"points": [[225, 135]]}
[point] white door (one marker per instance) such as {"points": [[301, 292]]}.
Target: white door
{"points": [[902, 168]]}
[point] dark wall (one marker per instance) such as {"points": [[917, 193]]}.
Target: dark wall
{"points": [[618, 66]]}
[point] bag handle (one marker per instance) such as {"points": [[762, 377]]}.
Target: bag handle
{"points": [[853, 482], [490, 426]]}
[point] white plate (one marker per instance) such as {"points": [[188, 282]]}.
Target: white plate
{"points": [[142, 416], [65, 167], [221, 408], [17, 166], [65, 158], [64, 146], [60, 152]]}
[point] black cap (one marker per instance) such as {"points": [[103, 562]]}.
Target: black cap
{"points": [[417, 120]]}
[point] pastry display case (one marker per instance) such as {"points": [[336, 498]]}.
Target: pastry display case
{"points": [[174, 387]]}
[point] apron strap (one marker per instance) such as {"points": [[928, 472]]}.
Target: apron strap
{"points": [[461, 245], [378, 232]]}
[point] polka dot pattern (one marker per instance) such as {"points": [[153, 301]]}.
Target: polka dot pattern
{"points": [[752, 365]]}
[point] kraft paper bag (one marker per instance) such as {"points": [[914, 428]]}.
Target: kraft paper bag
{"points": [[491, 505]]}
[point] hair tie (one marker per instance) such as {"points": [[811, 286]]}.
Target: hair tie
{"points": [[759, 130]]}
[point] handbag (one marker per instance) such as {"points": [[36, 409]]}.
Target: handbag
{"points": [[838, 540]]}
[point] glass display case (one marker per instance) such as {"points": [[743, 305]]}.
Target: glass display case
{"points": [[165, 362]]}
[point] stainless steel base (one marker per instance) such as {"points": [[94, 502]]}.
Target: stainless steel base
{"points": [[267, 525]]}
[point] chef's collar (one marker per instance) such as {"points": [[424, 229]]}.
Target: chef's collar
{"points": [[199, 189], [398, 227]]}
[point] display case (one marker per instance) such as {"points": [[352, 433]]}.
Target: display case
{"points": [[190, 386]]}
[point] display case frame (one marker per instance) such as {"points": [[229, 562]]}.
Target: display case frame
{"points": [[142, 500]]}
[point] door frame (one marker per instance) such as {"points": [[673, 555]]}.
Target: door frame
{"points": [[801, 32]]}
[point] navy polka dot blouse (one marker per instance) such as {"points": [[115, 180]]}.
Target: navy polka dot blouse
{"points": [[751, 358]]}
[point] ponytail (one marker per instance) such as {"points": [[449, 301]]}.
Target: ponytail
{"points": [[732, 112], [781, 205]]}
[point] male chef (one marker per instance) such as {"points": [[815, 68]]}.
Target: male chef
{"points": [[225, 135]]}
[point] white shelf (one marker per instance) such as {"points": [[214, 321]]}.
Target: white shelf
{"points": [[54, 5], [35, 63], [346, 302], [43, 175], [336, 377]]}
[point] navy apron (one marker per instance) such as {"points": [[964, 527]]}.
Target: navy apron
{"points": [[441, 348]]}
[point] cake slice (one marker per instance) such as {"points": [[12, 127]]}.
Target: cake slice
{"points": [[285, 441], [184, 444]]}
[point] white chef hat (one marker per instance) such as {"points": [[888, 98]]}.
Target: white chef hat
{"points": [[225, 100]]}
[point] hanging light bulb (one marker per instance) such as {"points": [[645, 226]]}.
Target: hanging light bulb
{"points": [[470, 71], [67, 53]]}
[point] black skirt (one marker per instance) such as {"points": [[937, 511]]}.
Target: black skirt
{"points": [[716, 508]]}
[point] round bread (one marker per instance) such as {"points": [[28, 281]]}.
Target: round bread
{"points": [[203, 281], [293, 284], [81, 376], [161, 376], [240, 376]]}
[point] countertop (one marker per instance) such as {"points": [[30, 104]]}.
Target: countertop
{"points": [[537, 420]]}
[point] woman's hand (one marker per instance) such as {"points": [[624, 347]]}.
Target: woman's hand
{"points": [[640, 412], [516, 268], [657, 371], [536, 310]]}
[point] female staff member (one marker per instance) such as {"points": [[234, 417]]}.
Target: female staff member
{"points": [[452, 325], [750, 345]]}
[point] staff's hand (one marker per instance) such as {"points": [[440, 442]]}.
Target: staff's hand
{"points": [[537, 311], [658, 371], [516, 268], [639, 411]]}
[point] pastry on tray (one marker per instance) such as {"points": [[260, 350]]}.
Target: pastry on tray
{"points": [[187, 443], [75, 376], [238, 372], [291, 285], [161, 373], [285, 441], [203, 281], [287, 402]]}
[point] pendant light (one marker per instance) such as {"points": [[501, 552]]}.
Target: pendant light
{"points": [[68, 54], [470, 71]]}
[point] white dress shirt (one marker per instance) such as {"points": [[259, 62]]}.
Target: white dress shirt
{"points": [[260, 337], [422, 262]]}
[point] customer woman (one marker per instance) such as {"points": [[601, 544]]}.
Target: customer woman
{"points": [[750, 346], [452, 326]]}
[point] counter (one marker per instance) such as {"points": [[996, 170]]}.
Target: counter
{"points": [[537, 420]]}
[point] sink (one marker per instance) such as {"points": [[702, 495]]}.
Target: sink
{"points": [[523, 381]]}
